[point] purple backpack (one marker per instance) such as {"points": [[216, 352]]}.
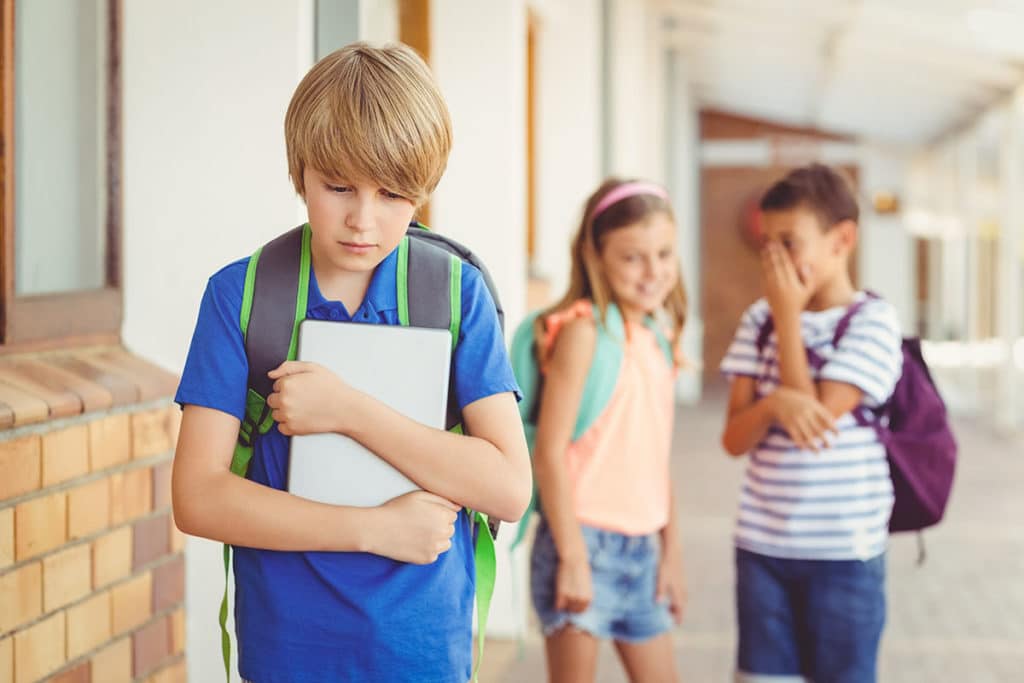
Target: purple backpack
{"points": [[918, 439]]}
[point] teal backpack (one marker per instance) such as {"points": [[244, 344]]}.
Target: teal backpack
{"points": [[429, 289], [597, 390]]}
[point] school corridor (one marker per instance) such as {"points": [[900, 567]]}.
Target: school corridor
{"points": [[959, 618]]}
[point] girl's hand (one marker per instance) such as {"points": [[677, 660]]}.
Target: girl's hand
{"points": [[804, 418], [672, 582], [787, 291], [573, 590], [415, 528], [308, 399]]}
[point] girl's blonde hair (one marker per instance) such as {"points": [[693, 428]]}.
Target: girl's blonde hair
{"points": [[587, 279], [371, 112]]}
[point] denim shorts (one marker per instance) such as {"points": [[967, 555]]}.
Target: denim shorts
{"points": [[819, 620], [624, 571]]}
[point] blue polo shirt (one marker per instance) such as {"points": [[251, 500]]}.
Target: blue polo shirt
{"points": [[334, 616]]}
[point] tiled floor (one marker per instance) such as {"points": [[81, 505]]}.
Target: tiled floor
{"points": [[957, 619]]}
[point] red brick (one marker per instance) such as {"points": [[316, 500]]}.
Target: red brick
{"points": [[169, 584], [6, 660], [21, 596], [112, 557], [6, 537], [88, 509], [22, 465], [175, 673], [77, 674], [150, 646], [178, 632], [113, 664], [110, 441], [65, 454], [151, 540], [131, 495], [67, 576], [40, 525], [151, 433], [162, 485], [88, 625], [39, 650], [132, 603]]}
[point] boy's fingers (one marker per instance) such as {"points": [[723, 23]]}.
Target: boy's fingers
{"points": [[439, 500], [290, 367]]}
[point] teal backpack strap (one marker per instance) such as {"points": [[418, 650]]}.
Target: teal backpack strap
{"points": [[659, 333], [424, 269], [273, 305], [602, 378]]}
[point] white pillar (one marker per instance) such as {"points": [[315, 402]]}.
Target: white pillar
{"points": [[683, 174], [478, 54], [1008, 304]]}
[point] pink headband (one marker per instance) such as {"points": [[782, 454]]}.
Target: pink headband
{"points": [[626, 190]]}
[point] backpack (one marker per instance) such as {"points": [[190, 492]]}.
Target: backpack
{"points": [[274, 303], [918, 439], [602, 378]]}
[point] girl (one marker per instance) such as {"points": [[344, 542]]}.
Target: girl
{"points": [[606, 561]]}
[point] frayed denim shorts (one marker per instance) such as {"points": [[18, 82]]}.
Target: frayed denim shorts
{"points": [[624, 571]]}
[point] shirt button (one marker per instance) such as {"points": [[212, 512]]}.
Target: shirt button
{"points": [[365, 315], [334, 314]]}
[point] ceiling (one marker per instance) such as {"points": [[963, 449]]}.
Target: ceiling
{"points": [[893, 71]]}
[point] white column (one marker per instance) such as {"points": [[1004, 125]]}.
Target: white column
{"points": [[478, 53], [637, 97], [683, 178], [568, 127], [1008, 304]]}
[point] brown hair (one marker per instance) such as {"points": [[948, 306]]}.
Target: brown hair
{"points": [[587, 279], [372, 112], [819, 188]]}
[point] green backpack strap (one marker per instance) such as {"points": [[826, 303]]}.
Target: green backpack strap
{"points": [[273, 305]]}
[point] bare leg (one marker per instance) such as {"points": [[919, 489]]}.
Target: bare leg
{"points": [[651, 661], [572, 656]]}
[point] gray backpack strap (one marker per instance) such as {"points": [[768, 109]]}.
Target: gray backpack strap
{"points": [[280, 283], [430, 270], [420, 232], [434, 293]]}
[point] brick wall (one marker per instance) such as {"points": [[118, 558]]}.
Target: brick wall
{"points": [[92, 572]]}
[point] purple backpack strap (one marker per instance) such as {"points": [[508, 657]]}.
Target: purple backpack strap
{"points": [[768, 326], [844, 322]]}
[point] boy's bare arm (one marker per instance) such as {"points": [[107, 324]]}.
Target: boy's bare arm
{"points": [[803, 417], [486, 469], [747, 419], [212, 502]]}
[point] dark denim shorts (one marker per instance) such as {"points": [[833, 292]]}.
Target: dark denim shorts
{"points": [[819, 620], [624, 572]]}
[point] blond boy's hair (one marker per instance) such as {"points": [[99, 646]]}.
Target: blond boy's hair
{"points": [[373, 113]]}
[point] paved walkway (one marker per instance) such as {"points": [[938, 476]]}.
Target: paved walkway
{"points": [[957, 619]]}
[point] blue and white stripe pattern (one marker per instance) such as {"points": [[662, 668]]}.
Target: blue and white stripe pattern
{"points": [[834, 504]]}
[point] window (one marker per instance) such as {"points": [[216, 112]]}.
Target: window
{"points": [[60, 227]]}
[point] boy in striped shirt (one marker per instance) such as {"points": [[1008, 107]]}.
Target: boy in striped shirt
{"points": [[816, 501]]}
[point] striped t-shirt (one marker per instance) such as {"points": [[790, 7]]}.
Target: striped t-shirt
{"points": [[834, 504]]}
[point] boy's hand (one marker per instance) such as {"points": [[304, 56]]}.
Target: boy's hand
{"points": [[573, 589], [806, 420], [787, 291], [672, 581], [307, 399], [415, 528]]}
